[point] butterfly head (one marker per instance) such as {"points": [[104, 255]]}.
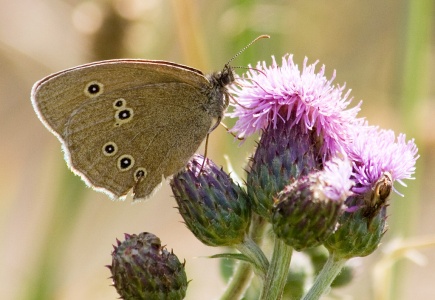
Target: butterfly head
{"points": [[226, 76], [220, 80]]}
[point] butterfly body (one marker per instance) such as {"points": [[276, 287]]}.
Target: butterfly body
{"points": [[127, 124]]}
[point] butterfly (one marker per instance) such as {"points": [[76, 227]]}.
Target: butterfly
{"points": [[128, 124]]}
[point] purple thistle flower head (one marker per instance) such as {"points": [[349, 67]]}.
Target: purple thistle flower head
{"points": [[294, 96], [374, 151]]}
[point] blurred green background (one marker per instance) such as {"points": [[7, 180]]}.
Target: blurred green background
{"points": [[56, 234]]}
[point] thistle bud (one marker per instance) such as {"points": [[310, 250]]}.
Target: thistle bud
{"points": [[213, 207], [306, 212], [143, 269]]}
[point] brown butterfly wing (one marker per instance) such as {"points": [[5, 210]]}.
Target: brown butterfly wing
{"points": [[159, 124]]}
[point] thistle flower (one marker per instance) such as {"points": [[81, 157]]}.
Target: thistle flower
{"points": [[297, 97], [378, 160], [307, 211], [143, 269], [304, 122], [213, 207]]}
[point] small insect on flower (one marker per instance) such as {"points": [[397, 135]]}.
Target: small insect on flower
{"points": [[377, 199]]}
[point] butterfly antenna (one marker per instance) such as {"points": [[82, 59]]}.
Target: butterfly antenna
{"points": [[263, 36], [250, 68]]}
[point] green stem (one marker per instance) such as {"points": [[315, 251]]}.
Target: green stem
{"points": [[243, 275], [239, 282], [251, 250], [276, 277], [258, 226], [323, 281]]}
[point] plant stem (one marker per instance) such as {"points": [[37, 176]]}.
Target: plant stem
{"points": [[251, 250], [258, 226], [239, 282], [243, 275], [323, 281], [278, 270]]}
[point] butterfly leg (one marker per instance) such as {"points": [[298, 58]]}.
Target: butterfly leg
{"points": [[205, 153], [219, 119]]}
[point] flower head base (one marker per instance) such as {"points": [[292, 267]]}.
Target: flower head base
{"points": [[297, 97], [307, 211], [142, 269], [356, 235], [213, 207], [283, 155]]}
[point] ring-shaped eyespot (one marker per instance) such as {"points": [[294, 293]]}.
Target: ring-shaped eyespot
{"points": [[140, 173], [125, 162], [93, 89], [110, 149], [124, 115], [119, 103]]}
